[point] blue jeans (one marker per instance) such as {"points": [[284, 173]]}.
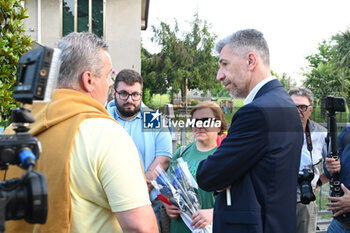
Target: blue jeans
{"points": [[336, 227]]}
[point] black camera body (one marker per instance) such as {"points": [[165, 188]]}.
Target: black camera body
{"points": [[335, 104], [26, 197], [10, 149], [304, 180]]}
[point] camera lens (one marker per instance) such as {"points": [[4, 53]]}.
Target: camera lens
{"points": [[304, 180], [26, 198], [307, 195]]}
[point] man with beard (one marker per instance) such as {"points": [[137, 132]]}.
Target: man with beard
{"points": [[257, 164], [154, 145]]}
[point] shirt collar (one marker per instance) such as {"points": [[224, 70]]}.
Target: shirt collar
{"points": [[255, 90]]}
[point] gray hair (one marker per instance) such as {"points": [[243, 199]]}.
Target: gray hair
{"points": [[302, 92], [245, 41], [80, 53]]}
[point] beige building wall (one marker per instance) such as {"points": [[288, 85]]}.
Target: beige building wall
{"points": [[31, 22], [122, 28], [123, 33]]}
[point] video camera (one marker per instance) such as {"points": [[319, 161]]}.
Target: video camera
{"points": [[333, 105], [26, 197]]}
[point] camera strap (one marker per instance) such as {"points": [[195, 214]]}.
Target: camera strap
{"points": [[309, 142], [308, 138]]}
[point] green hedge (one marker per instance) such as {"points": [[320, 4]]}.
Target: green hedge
{"points": [[13, 44]]}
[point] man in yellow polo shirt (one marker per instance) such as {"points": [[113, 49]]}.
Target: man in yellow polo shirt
{"points": [[92, 186]]}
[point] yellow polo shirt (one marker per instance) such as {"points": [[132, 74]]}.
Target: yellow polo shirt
{"points": [[105, 176]]}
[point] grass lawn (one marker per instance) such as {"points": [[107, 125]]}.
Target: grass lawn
{"points": [[322, 200], [237, 104], [159, 100]]}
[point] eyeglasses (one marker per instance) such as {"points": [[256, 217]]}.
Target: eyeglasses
{"points": [[303, 107], [123, 95]]}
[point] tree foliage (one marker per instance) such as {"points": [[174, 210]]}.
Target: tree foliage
{"points": [[328, 73], [13, 43], [285, 80], [341, 51], [184, 62]]}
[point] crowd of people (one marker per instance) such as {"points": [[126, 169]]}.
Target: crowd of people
{"points": [[99, 160]]}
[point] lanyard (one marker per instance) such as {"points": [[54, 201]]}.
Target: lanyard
{"points": [[309, 142], [308, 138]]}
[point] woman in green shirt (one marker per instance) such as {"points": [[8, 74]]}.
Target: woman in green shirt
{"points": [[205, 113]]}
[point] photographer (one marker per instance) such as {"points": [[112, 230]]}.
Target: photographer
{"points": [[340, 204], [94, 177], [311, 154]]}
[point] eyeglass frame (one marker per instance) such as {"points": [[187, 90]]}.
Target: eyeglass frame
{"points": [[129, 95], [300, 106]]}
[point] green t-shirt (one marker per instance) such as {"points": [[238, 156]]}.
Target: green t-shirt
{"points": [[193, 157]]}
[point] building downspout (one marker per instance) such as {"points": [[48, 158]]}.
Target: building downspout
{"points": [[38, 31]]}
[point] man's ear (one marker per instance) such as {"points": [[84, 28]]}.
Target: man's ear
{"points": [[87, 81], [311, 109], [252, 61]]}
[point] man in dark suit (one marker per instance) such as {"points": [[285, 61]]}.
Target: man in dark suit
{"points": [[255, 169]]}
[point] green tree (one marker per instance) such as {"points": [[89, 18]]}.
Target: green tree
{"points": [[183, 63], [285, 80], [323, 76], [328, 71], [341, 51], [13, 43]]}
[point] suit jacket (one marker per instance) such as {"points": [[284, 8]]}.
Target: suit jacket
{"points": [[259, 159]]}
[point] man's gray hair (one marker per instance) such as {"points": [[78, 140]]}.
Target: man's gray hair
{"points": [[80, 53], [302, 92], [245, 41]]}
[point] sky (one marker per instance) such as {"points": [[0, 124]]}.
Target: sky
{"points": [[293, 29]]}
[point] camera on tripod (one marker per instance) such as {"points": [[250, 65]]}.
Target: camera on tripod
{"points": [[304, 180], [26, 197], [333, 105]]}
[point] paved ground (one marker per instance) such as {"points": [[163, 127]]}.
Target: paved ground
{"points": [[322, 222]]}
